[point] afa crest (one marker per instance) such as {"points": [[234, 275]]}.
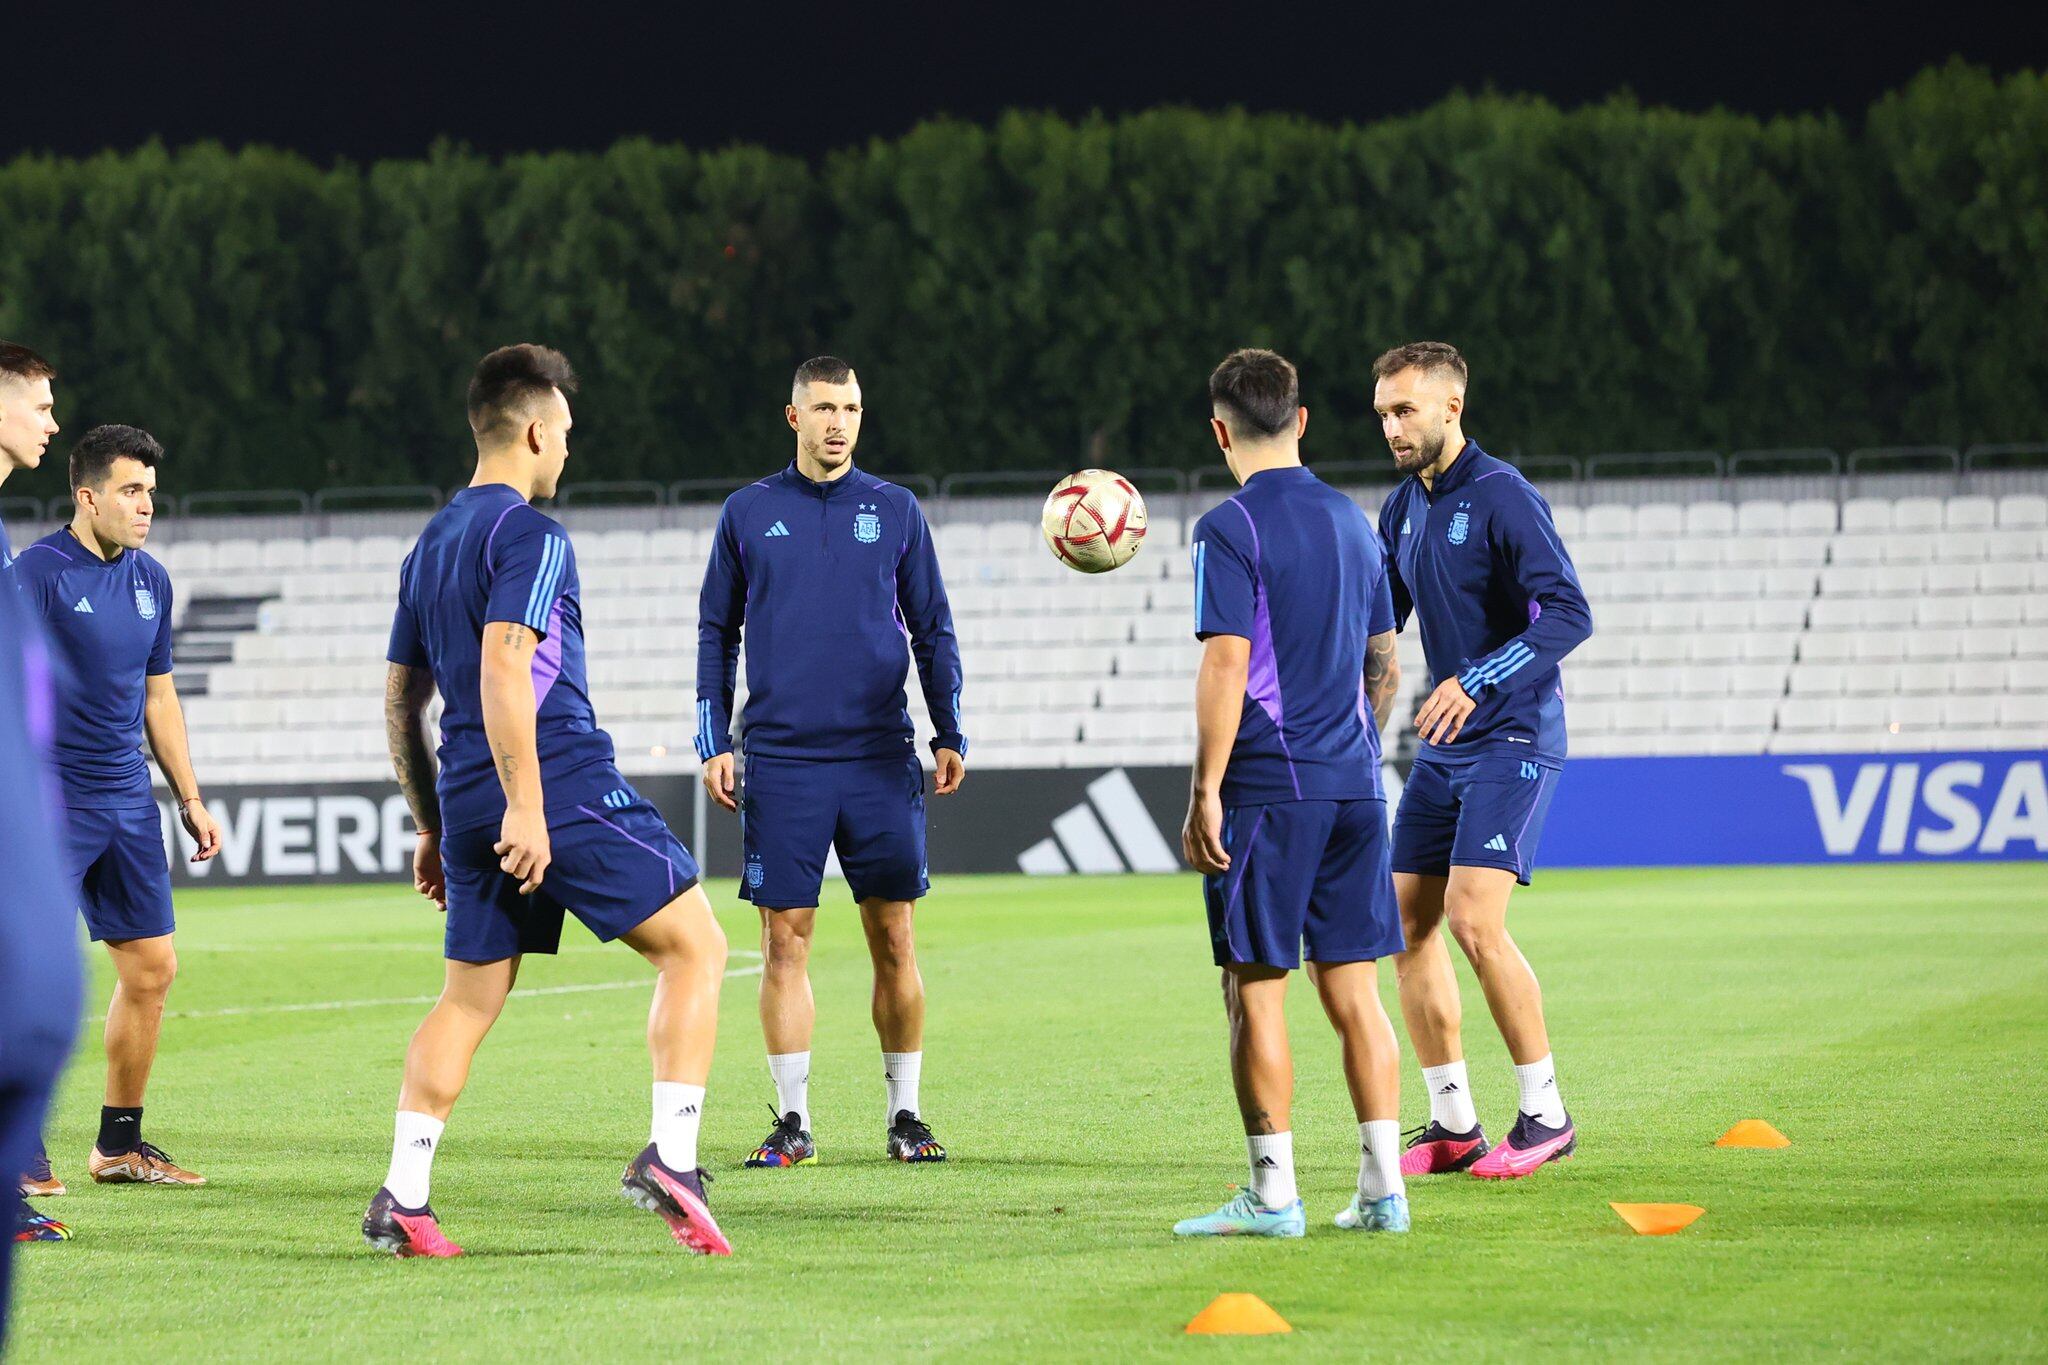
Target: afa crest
{"points": [[754, 873], [1461, 526], [145, 604], [867, 527]]}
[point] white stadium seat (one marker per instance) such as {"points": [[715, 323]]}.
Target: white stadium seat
{"points": [[1661, 519], [1912, 547], [1969, 514], [1867, 515], [1762, 517], [1812, 516], [2023, 511], [1570, 522], [1917, 514], [1715, 519], [1609, 521]]}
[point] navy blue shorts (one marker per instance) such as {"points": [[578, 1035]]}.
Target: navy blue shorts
{"points": [[792, 811], [1306, 879], [612, 866], [1486, 813], [119, 871]]}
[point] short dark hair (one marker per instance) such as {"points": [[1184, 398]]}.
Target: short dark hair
{"points": [[821, 369], [509, 379], [92, 459], [19, 362], [1259, 388], [1421, 355]]}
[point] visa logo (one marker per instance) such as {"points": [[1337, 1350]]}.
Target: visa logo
{"points": [[1945, 811]]}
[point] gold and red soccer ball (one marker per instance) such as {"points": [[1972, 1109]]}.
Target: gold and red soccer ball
{"points": [[1094, 521]]}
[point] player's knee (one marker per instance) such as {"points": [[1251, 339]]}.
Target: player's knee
{"points": [[894, 948], [150, 978], [1481, 936], [787, 951]]}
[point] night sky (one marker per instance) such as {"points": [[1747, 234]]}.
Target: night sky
{"points": [[364, 81]]}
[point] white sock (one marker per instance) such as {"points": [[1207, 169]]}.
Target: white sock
{"points": [[900, 1072], [678, 1109], [413, 1145], [1272, 1160], [791, 1072], [1379, 1159], [1540, 1100], [1450, 1096]]}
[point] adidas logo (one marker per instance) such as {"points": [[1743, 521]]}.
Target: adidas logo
{"points": [[778, 529], [424, 1144], [1111, 831], [84, 606], [1267, 1163], [1450, 1089], [1498, 843], [686, 1111]]}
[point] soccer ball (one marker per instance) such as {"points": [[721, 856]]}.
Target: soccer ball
{"points": [[1094, 521]]}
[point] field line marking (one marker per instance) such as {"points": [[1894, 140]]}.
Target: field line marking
{"points": [[321, 1006]]}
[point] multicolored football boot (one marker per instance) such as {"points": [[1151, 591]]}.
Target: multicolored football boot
{"points": [[389, 1226], [30, 1226], [1436, 1150], [910, 1139], [1530, 1145], [145, 1165], [1245, 1216], [787, 1144], [678, 1196], [1379, 1215], [39, 1181]]}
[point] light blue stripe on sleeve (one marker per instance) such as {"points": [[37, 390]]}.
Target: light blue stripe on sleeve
{"points": [[554, 553], [1201, 554]]}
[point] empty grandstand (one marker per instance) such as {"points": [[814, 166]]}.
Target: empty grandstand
{"points": [[1776, 624]]}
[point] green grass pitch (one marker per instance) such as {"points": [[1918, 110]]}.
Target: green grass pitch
{"points": [[1890, 1020]]}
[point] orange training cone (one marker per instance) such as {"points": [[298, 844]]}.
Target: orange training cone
{"points": [[1238, 1315], [1658, 1220], [1752, 1133]]}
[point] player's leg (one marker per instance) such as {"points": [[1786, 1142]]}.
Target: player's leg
{"points": [[400, 1219], [787, 810], [1425, 832], [127, 903], [1256, 913], [684, 944], [880, 836], [1353, 921], [1503, 804], [620, 870], [487, 925]]}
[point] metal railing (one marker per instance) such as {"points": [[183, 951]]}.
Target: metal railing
{"points": [[1631, 476]]}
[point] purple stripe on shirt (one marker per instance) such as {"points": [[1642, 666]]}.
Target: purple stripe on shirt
{"points": [[547, 660], [1262, 680], [492, 537]]}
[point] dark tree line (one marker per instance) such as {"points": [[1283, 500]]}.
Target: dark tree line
{"points": [[1024, 295]]}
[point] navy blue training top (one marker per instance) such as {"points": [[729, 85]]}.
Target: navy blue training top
{"points": [[1293, 565], [836, 587], [1478, 561], [489, 556], [108, 624]]}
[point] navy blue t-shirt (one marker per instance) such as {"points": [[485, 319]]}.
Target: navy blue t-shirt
{"points": [[1294, 566], [1478, 561], [108, 624], [489, 556]]}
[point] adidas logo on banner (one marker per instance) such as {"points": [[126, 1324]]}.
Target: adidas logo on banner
{"points": [[84, 606], [1111, 831], [778, 529], [1498, 843]]}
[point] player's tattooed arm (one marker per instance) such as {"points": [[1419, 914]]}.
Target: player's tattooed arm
{"points": [[1382, 677], [509, 710], [407, 691]]}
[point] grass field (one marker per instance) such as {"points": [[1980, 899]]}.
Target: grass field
{"points": [[1890, 1020]]}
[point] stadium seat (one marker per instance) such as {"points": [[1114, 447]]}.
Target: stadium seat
{"points": [[1712, 519], [1762, 517], [2022, 511], [1969, 514], [1987, 643], [1811, 517], [1872, 515], [1659, 519], [1942, 611], [1917, 514], [1609, 521], [1997, 576], [1915, 547], [1805, 551], [2029, 711], [1857, 549], [2002, 610], [1949, 578]]}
